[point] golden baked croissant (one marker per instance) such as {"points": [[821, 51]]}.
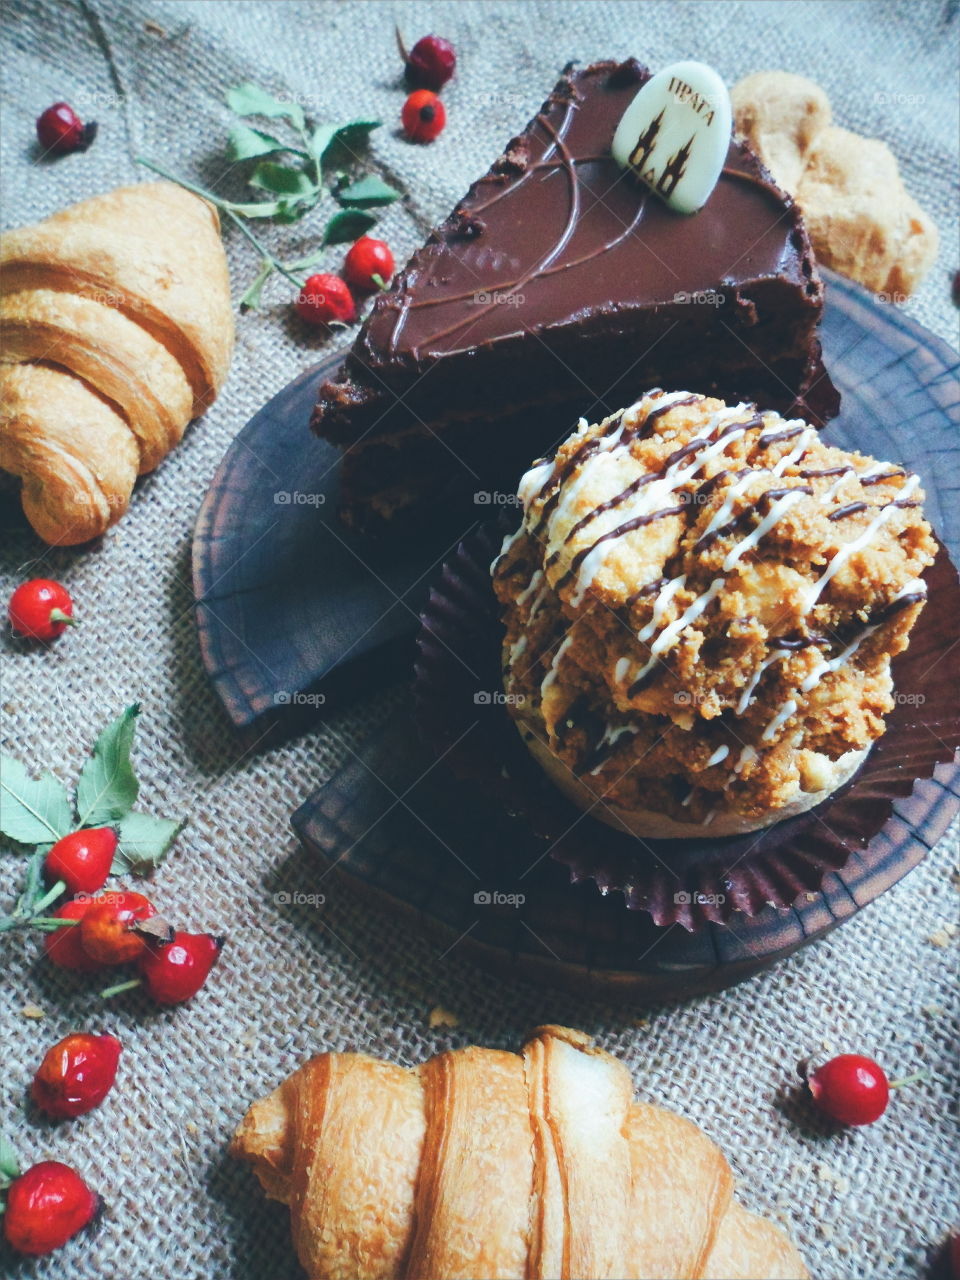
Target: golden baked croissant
{"points": [[123, 302], [481, 1164]]}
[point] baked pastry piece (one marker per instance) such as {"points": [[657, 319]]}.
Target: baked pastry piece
{"points": [[117, 330], [861, 219], [701, 606], [558, 286], [480, 1163]]}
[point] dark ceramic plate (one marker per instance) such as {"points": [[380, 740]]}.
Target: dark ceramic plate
{"points": [[292, 610]]}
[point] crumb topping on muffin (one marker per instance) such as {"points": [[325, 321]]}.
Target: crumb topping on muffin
{"points": [[702, 603]]}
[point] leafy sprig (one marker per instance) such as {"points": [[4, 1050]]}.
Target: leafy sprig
{"points": [[296, 169], [38, 812]]}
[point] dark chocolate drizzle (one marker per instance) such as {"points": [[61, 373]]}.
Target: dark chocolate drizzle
{"points": [[649, 589], [556, 481], [850, 509], [628, 526], [897, 606], [663, 409], [825, 471], [886, 475], [776, 437]]}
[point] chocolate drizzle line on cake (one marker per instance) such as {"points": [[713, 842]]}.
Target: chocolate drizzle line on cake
{"points": [[655, 414], [547, 265], [641, 429], [850, 509], [628, 526], [826, 471], [556, 480]]}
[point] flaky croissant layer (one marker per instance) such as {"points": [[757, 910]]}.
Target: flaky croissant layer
{"points": [[501, 1166], [117, 329]]}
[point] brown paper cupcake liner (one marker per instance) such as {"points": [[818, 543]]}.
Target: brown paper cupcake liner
{"points": [[461, 714]]}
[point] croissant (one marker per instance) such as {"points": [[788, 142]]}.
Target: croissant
{"points": [[116, 325], [486, 1164]]}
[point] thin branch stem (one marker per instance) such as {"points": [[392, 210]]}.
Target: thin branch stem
{"points": [[230, 209], [121, 986]]}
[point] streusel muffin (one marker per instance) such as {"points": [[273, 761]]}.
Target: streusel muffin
{"points": [[701, 606]]}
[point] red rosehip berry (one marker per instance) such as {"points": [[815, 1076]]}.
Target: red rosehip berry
{"points": [[46, 1206], [325, 298], [178, 970], [109, 931], [64, 946], [369, 265], [60, 130], [76, 1074], [423, 116], [430, 63], [850, 1089], [82, 860], [40, 609]]}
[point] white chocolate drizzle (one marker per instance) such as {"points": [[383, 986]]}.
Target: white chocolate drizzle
{"points": [[747, 696], [850, 548], [655, 495], [551, 675]]}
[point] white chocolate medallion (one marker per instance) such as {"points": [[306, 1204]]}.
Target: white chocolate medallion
{"points": [[675, 134]]}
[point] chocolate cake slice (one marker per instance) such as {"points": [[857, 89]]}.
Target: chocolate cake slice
{"points": [[560, 287]]}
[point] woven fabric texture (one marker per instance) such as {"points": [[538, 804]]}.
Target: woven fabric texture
{"points": [[296, 980]]}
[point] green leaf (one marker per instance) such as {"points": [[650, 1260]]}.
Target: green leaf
{"points": [[321, 138], [368, 192], [33, 884], [356, 133], [261, 209], [245, 143], [346, 224], [349, 137], [9, 1164], [108, 787], [144, 842], [281, 180], [251, 299], [32, 811], [250, 100]]}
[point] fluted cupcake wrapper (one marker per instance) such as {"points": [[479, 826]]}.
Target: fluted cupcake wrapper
{"points": [[686, 882]]}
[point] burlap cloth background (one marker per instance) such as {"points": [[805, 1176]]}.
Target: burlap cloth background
{"points": [[866, 1203]]}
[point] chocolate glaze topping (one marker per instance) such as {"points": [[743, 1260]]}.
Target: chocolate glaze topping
{"points": [[569, 269], [574, 216]]}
